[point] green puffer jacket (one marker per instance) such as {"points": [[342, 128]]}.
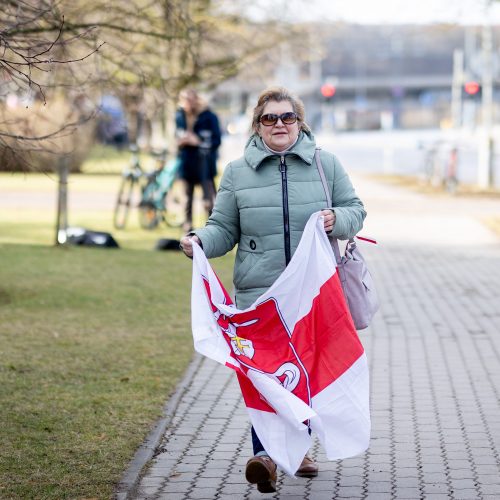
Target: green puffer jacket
{"points": [[250, 210]]}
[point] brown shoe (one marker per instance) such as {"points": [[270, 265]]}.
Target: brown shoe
{"points": [[262, 472], [308, 468]]}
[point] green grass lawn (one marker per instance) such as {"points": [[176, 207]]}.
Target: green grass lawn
{"points": [[92, 343]]}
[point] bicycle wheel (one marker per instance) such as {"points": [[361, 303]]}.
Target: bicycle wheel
{"points": [[451, 185], [149, 214], [174, 212], [123, 202]]}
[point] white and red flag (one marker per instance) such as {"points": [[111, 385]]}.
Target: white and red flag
{"points": [[296, 353]]}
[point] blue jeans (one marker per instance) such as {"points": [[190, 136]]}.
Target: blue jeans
{"points": [[257, 445]]}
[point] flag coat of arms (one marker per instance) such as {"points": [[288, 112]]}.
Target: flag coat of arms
{"points": [[297, 355]]}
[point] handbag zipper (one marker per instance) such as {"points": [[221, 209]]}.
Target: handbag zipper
{"points": [[286, 215]]}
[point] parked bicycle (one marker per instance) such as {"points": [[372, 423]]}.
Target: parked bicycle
{"points": [[440, 164], [156, 201]]}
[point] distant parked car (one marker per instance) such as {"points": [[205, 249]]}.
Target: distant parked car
{"points": [[112, 125]]}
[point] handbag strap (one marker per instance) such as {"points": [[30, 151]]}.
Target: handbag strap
{"points": [[335, 243]]}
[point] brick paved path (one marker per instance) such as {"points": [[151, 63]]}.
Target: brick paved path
{"points": [[434, 354]]}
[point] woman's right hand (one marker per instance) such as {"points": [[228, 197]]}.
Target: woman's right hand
{"points": [[187, 244], [188, 139]]}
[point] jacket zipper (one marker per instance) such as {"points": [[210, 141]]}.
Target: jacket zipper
{"points": [[286, 215]]}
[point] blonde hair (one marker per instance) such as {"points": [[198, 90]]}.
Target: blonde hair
{"points": [[279, 94], [189, 95]]}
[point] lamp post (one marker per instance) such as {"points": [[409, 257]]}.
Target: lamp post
{"points": [[456, 90], [328, 91], [485, 160]]}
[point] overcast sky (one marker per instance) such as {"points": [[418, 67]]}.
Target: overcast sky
{"points": [[384, 11]]}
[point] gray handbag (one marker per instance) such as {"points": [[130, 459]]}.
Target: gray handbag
{"points": [[356, 280]]}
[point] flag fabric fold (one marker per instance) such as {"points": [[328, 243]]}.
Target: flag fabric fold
{"points": [[296, 353]]}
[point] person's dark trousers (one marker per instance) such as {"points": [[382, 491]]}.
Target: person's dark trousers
{"points": [[257, 445], [207, 182], [188, 211], [208, 187]]}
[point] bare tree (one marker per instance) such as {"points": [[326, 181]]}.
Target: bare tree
{"points": [[33, 43], [55, 48]]}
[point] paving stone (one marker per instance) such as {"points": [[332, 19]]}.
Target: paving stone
{"points": [[212, 473], [254, 495], [161, 472], [318, 485], [182, 478], [485, 460], [430, 488], [407, 493], [350, 492], [234, 489], [321, 495], [491, 489], [384, 467], [432, 459], [380, 476], [208, 482], [471, 494], [407, 482], [488, 478], [205, 443], [379, 487], [180, 487], [377, 496], [436, 496], [152, 482], [202, 452], [195, 459], [203, 493], [458, 464], [461, 474], [287, 491], [435, 477], [349, 481], [165, 461], [463, 454], [407, 472], [462, 484], [185, 467]]}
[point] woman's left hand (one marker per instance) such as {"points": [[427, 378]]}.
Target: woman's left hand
{"points": [[329, 219]]}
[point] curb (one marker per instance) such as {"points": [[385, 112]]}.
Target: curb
{"points": [[127, 486]]}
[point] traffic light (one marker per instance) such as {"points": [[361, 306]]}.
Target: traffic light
{"points": [[328, 91], [472, 89]]}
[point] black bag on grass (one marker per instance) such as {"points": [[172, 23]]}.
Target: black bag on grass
{"points": [[86, 237]]}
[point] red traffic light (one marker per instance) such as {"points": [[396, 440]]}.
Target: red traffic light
{"points": [[328, 90], [472, 88]]}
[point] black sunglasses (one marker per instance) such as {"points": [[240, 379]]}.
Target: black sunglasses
{"points": [[271, 119]]}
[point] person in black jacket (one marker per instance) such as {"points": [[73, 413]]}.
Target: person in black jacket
{"points": [[198, 139]]}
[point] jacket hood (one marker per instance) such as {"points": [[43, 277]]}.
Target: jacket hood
{"points": [[256, 152]]}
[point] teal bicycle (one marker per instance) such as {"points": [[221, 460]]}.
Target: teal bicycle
{"points": [[157, 202]]}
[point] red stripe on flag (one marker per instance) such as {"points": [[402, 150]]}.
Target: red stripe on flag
{"points": [[326, 338]]}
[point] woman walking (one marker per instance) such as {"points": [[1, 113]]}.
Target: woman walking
{"points": [[263, 203]]}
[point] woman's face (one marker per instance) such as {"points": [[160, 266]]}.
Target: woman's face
{"points": [[188, 100], [279, 136]]}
